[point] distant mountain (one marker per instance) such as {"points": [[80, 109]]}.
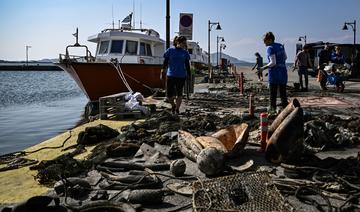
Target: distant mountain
{"points": [[232, 60]]}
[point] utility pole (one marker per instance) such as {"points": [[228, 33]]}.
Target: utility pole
{"points": [[167, 24]]}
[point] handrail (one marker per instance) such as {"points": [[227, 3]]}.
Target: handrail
{"points": [[68, 57]]}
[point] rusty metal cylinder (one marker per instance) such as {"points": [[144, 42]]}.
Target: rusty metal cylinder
{"points": [[251, 105], [287, 140], [241, 83], [288, 109]]}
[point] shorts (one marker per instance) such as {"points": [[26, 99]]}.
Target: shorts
{"points": [[175, 86]]}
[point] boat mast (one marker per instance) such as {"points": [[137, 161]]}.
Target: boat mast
{"points": [[112, 14], [140, 15]]}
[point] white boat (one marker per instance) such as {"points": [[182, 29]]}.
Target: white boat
{"points": [[198, 57], [126, 59]]}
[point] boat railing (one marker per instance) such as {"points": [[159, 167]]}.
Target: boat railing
{"points": [[66, 58]]}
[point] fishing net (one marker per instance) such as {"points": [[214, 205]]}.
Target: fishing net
{"points": [[251, 191]]}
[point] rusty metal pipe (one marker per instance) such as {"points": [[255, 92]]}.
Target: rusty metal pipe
{"points": [[241, 83], [251, 105], [288, 109], [287, 140]]}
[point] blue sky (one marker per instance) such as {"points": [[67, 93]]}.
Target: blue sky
{"points": [[47, 25]]}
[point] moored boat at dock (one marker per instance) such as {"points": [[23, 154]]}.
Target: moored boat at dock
{"points": [[126, 59]]}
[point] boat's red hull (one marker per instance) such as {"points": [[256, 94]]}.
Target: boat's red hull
{"points": [[102, 79]]}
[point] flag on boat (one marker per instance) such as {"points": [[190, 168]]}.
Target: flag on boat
{"points": [[127, 19], [126, 22]]}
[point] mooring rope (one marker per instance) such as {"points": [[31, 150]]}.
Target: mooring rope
{"points": [[15, 160], [121, 75]]}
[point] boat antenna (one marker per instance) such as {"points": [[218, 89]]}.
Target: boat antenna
{"points": [[141, 15], [112, 14], [76, 34], [133, 15]]}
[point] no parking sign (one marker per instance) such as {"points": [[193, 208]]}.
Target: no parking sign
{"points": [[186, 25]]}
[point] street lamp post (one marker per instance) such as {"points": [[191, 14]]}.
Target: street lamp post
{"points": [[27, 55], [217, 49], [303, 37], [210, 24], [353, 26], [222, 46]]}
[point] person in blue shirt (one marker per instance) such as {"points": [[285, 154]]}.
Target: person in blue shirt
{"points": [[277, 72], [337, 57], [177, 66]]}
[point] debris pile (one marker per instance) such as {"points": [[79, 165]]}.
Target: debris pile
{"points": [[165, 162]]}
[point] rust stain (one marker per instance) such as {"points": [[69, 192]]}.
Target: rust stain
{"points": [[316, 101]]}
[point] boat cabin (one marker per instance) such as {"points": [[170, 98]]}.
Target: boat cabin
{"points": [[143, 47]]}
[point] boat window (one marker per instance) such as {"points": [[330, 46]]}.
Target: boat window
{"points": [[104, 46], [131, 47], [145, 49], [148, 50], [190, 51], [142, 49], [116, 46]]}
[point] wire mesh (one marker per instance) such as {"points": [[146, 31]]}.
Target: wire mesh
{"points": [[250, 191]]}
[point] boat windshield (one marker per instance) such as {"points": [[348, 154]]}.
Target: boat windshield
{"points": [[104, 46], [131, 47], [116, 46]]}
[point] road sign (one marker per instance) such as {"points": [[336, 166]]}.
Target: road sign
{"points": [[186, 25]]}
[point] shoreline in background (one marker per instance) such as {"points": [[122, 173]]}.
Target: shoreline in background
{"points": [[30, 67]]}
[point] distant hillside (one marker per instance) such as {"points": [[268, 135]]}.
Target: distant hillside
{"points": [[233, 60]]}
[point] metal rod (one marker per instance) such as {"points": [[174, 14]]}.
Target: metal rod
{"points": [[209, 65], [217, 51]]}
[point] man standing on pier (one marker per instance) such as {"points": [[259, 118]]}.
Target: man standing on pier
{"points": [[303, 62]]}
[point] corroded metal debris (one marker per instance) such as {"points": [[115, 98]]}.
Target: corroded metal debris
{"points": [[130, 169]]}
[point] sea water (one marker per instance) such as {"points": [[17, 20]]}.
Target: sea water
{"points": [[35, 106]]}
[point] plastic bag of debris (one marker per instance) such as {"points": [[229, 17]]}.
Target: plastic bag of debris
{"points": [[133, 103], [138, 96]]}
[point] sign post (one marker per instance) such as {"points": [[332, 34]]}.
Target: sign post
{"points": [[186, 25]]}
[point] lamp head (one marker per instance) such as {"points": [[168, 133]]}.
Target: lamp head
{"points": [[345, 27], [299, 39], [218, 27], [222, 40]]}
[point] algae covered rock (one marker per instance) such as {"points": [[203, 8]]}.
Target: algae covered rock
{"points": [[177, 168], [210, 161]]}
